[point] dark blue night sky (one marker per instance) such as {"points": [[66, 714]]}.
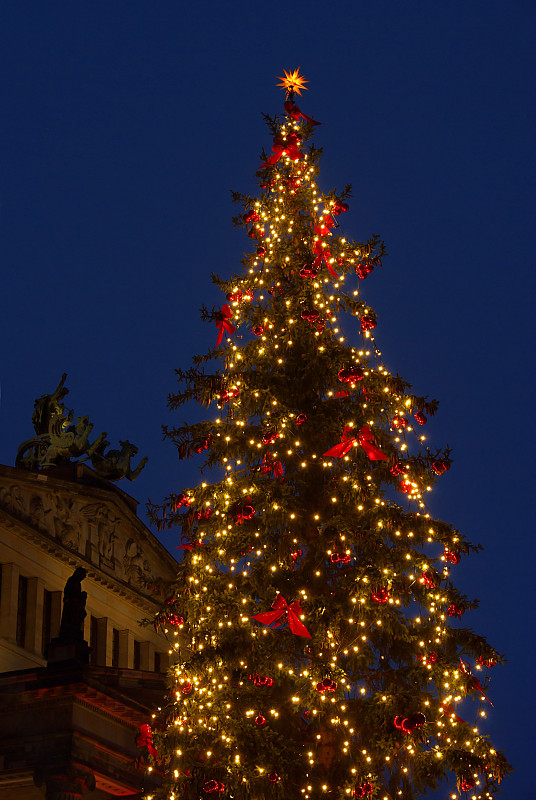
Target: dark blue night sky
{"points": [[124, 127]]}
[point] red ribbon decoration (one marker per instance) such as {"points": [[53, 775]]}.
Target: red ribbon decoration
{"points": [[145, 739], [323, 253], [269, 465], [223, 323], [293, 111], [188, 544], [322, 227], [282, 147], [293, 611], [364, 438]]}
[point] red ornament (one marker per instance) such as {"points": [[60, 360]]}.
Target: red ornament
{"points": [[428, 579], [404, 487], [467, 784], [183, 500], [243, 511], [284, 145], [363, 789], [273, 776], [486, 662], [309, 271], [452, 556], [350, 374], [340, 558], [300, 419], [399, 422], [186, 688], [439, 467], [363, 270], [296, 555], [338, 207], [455, 610], [432, 657], [292, 610], [310, 316], [175, 620], [380, 595], [258, 330], [250, 216], [222, 321], [261, 250], [326, 685], [263, 680], [270, 436], [260, 720], [421, 419], [396, 469], [368, 321], [213, 786], [410, 723], [145, 739]]}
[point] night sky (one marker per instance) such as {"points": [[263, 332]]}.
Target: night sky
{"points": [[124, 127]]}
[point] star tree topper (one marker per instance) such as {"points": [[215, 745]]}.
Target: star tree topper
{"points": [[293, 82]]}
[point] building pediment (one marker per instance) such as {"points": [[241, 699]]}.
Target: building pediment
{"points": [[83, 519]]}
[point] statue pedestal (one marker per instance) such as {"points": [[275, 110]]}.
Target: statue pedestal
{"points": [[68, 650]]}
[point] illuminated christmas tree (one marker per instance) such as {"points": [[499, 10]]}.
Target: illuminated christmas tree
{"points": [[320, 650]]}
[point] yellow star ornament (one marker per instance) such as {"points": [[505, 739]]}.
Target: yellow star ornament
{"points": [[292, 82]]}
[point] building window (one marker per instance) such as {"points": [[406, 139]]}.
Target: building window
{"points": [[115, 648], [158, 662], [137, 654], [47, 620], [22, 604]]}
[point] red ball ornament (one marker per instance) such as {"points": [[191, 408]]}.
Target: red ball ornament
{"points": [[261, 251], [455, 610], [380, 595], [396, 469], [368, 321], [486, 662], [263, 680], [260, 720], [250, 216], [326, 685], [404, 487], [350, 374], [432, 657], [428, 579], [363, 270], [467, 784], [213, 786], [439, 467], [273, 777], [452, 556], [175, 620], [339, 207], [258, 330], [300, 419], [186, 688], [421, 419], [399, 422]]}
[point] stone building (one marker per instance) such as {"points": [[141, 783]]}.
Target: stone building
{"points": [[68, 728]]}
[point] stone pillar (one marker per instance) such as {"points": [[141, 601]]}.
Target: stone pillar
{"points": [[55, 613], [9, 601], [126, 649], [147, 656], [103, 655], [34, 615]]}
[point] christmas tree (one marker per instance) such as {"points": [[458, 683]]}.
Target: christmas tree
{"points": [[318, 636]]}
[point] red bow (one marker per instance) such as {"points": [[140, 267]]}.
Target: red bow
{"points": [[269, 465], [322, 227], [281, 147], [364, 438], [188, 544], [323, 253], [293, 111], [145, 739], [293, 611], [223, 324]]}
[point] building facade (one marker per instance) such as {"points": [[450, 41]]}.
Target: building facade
{"points": [[67, 726]]}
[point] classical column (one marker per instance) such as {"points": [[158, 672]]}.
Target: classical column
{"points": [[9, 601], [147, 656], [126, 649], [34, 615]]}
